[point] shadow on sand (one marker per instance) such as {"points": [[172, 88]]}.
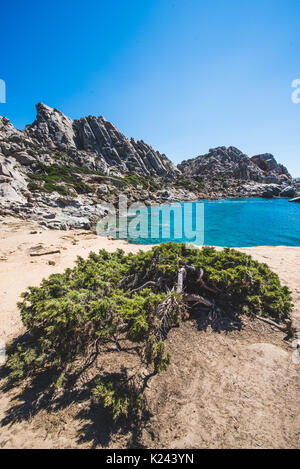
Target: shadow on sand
{"points": [[97, 427]]}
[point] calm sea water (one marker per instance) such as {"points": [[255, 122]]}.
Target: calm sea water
{"points": [[242, 222]]}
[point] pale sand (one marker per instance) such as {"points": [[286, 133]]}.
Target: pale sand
{"points": [[18, 270]]}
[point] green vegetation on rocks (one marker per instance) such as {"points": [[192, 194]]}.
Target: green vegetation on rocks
{"points": [[57, 178], [194, 184]]}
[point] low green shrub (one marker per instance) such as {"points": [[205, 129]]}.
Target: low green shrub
{"points": [[57, 178], [190, 184], [71, 316], [146, 182]]}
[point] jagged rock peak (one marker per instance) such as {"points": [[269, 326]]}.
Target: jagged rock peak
{"points": [[96, 135], [6, 128], [52, 128]]}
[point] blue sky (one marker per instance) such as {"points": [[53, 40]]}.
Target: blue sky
{"points": [[183, 75]]}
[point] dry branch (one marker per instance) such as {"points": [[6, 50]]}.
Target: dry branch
{"points": [[43, 253], [189, 297], [147, 285], [286, 328], [181, 278]]}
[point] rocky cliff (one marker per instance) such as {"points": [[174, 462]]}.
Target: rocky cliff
{"points": [[60, 172], [228, 172], [97, 143], [231, 163]]}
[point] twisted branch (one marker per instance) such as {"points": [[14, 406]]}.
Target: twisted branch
{"points": [[146, 285]]}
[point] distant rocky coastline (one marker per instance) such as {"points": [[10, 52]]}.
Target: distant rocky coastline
{"points": [[231, 173], [60, 172]]}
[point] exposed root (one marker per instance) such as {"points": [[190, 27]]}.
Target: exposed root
{"points": [[288, 328], [167, 313], [191, 268], [189, 297]]}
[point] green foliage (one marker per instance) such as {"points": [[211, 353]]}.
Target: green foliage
{"points": [[33, 187], [190, 184], [239, 280], [118, 394], [146, 182], [72, 315], [61, 178], [58, 178], [155, 353]]}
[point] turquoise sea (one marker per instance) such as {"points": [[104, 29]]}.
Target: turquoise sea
{"points": [[238, 222]]}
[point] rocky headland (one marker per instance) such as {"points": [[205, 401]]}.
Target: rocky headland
{"points": [[228, 172], [61, 173]]}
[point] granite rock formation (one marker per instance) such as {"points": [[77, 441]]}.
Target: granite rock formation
{"points": [[84, 160], [110, 150], [62, 172], [269, 166], [231, 163]]}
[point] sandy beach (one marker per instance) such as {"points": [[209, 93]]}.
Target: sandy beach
{"points": [[20, 267]]}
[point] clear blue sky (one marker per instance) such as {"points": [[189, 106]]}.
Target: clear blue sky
{"points": [[183, 75]]}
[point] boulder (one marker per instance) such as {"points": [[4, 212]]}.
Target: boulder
{"points": [[7, 130], [271, 190], [289, 191], [165, 195], [296, 199], [5, 170], [23, 158], [10, 193]]}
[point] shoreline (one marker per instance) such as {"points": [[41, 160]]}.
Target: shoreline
{"points": [[20, 267], [58, 212]]}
